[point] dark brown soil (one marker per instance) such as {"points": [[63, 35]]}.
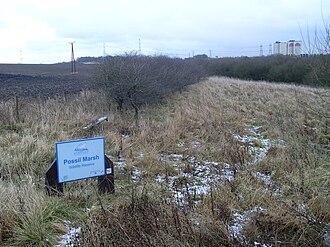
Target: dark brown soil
{"points": [[44, 80]]}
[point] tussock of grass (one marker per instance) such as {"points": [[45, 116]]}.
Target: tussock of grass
{"points": [[281, 199], [28, 217]]}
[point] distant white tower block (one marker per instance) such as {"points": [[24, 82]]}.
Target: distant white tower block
{"points": [[291, 48], [280, 48], [294, 47]]}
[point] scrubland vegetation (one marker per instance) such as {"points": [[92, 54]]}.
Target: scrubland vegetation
{"points": [[311, 70], [222, 162]]}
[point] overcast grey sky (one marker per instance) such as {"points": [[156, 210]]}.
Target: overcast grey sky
{"points": [[39, 31]]}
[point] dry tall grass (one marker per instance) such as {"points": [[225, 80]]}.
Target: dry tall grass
{"points": [[201, 122]]}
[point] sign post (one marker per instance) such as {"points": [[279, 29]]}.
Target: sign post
{"points": [[80, 159]]}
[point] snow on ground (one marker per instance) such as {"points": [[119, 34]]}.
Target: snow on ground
{"points": [[257, 244], [120, 165], [239, 220], [266, 178], [258, 146], [193, 144], [136, 174], [194, 178], [71, 238]]}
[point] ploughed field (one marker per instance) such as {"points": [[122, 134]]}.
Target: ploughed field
{"points": [[44, 80]]}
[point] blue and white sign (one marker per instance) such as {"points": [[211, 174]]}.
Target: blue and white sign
{"points": [[80, 159]]}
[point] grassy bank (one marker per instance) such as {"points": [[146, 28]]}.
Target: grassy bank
{"points": [[224, 163]]}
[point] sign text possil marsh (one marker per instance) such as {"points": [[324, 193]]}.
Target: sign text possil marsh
{"points": [[80, 159]]}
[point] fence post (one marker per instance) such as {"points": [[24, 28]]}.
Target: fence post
{"points": [[16, 109]]}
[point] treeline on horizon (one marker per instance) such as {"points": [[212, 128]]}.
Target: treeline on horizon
{"points": [[309, 70]]}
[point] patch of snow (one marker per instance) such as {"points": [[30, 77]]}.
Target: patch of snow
{"points": [[120, 165], [239, 221], [302, 208], [255, 129], [192, 159], [160, 179], [175, 157], [171, 157], [237, 224], [125, 136], [260, 153], [267, 179], [257, 244], [136, 174], [257, 145], [141, 156], [195, 144], [194, 179], [181, 144], [71, 238]]}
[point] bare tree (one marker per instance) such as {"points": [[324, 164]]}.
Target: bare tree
{"points": [[317, 46], [132, 80]]}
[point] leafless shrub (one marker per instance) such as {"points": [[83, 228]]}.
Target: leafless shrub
{"points": [[133, 80]]}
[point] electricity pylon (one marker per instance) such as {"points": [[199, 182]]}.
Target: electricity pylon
{"points": [[73, 61]]}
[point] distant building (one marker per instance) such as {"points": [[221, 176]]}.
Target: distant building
{"points": [[291, 48], [201, 56], [294, 48], [280, 48]]}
